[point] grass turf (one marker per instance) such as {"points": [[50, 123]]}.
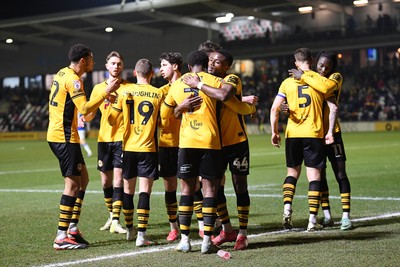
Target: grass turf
{"points": [[31, 186]]}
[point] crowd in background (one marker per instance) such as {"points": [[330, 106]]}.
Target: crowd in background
{"points": [[369, 94]]}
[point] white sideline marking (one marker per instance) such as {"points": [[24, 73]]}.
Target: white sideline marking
{"points": [[5, 190], [168, 247]]}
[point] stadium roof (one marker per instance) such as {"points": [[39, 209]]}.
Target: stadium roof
{"points": [[51, 23]]}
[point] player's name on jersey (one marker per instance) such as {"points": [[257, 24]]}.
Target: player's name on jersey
{"points": [[142, 94]]}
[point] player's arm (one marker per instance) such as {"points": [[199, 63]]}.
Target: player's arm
{"points": [[274, 118], [313, 79], [115, 112], [318, 82], [167, 110], [85, 107], [225, 92], [333, 108], [250, 99], [89, 117], [240, 107]]}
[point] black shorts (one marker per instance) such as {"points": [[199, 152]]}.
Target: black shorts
{"points": [[168, 161], [109, 155], [237, 156], [69, 156], [311, 150], [335, 152], [193, 162], [140, 164]]}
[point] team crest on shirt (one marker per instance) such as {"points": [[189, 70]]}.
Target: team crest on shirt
{"points": [[100, 163], [195, 125], [77, 85]]}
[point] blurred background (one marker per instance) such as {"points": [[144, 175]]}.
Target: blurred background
{"points": [[35, 37]]}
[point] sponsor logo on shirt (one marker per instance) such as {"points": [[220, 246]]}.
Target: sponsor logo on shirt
{"points": [[195, 125]]}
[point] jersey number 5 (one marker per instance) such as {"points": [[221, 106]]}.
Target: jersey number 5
{"points": [[300, 94]]}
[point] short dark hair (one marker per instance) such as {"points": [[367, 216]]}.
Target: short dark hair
{"points": [[144, 67], [173, 58], [209, 47], [303, 54], [197, 58], [78, 51]]}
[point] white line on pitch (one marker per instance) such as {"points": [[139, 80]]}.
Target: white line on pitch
{"points": [[169, 247]]}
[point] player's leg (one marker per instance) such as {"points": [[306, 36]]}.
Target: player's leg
{"points": [[147, 174], [104, 166], [210, 188], [73, 230], [69, 163], [211, 172], [294, 158], [227, 233], [314, 193], [198, 206], [128, 207], [315, 161], [129, 175], [243, 210], [345, 194], [108, 192], [339, 168], [327, 221], [168, 161], [171, 205], [188, 186], [117, 181], [117, 202]]}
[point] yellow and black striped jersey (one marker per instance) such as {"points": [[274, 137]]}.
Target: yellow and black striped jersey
{"points": [[199, 127], [305, 119], [233, 127], [67, 97], [140, 107], [108, 133], [169, 135]]}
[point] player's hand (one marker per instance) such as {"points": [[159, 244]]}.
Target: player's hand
{"points": [[191, 102], [296, 73], [285, 107], [81, 121], [250, 99], [329, 139], [111, 98], [191, 80], [113, 85], [276, 140]]}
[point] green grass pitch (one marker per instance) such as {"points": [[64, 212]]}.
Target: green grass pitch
{"points": [[31, 186]]}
